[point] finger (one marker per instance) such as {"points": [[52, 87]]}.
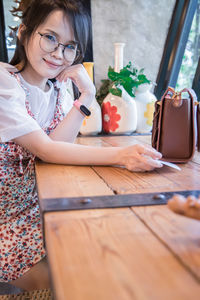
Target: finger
{"points": [[149, 161], [150, 152], [144, 163], [176, 203], [140, 167], [197, 203], [191, 200], [135, 169], [60, 77], [66, 73]]}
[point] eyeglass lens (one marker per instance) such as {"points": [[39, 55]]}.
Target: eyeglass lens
{"points": [[49, 43]]}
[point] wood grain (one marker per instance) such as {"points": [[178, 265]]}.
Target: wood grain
{"points": [[94, 141], [110, 254], [180, 234], [55, 181], [165, 179], [196, 157]]}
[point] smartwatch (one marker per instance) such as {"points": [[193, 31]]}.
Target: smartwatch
{"points": [[82, 108]]}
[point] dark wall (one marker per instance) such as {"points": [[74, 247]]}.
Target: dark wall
{"points": [[89, 51], [3, 51]]}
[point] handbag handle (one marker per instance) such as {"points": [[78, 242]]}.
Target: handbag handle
{"points": [[191, 93], [169, 89], [194, 98], [178, 96]]}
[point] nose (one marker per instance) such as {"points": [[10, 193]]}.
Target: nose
{"points": [[58, 52]]}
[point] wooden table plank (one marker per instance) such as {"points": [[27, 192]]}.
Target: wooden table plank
{"points": [[94, 141], [165, 179], [180, 234], [54, 181], [121, 141], [110, 254], [123, 181], [196, 157]]}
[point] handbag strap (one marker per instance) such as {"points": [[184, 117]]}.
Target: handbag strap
{"points": [[194, 97], [198, 127], [169, 89], [159, 110], [191, 93]]}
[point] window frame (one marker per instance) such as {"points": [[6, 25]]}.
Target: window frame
{"points": [[175, 45]]}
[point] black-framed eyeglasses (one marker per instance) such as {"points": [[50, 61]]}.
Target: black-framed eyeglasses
{"points": [[49, 43]]}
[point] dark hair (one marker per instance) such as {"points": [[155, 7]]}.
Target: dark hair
{"points": [[35, 14]]}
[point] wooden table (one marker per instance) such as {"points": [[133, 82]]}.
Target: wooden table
{"points": [[144, 252]]}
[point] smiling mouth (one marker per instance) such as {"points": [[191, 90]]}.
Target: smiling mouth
{"points": [[51, 64]]}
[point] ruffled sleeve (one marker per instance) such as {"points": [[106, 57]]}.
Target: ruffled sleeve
{"points": [[14, 118], [67, 95]]}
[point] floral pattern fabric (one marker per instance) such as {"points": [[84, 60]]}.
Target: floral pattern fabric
{"points": [[21, 243]]}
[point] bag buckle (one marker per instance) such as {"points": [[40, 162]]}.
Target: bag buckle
{"points": [[176, 98]]}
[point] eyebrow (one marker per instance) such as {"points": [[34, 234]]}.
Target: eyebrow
{"points": [[57, 36]]}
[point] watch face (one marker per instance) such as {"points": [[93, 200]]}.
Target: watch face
{"points": [[84, 109]]}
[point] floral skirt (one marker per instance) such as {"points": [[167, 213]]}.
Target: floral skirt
{"points": [[21, 244]]}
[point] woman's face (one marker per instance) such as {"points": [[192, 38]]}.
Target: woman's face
{"points": [[43, 65]]}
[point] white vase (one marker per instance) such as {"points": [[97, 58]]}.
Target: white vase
{"points": [[119, 56], [119, 114], [93, 124], [145, 101]]}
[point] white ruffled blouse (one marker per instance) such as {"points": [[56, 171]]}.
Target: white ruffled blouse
{"points": [[14, 118]]}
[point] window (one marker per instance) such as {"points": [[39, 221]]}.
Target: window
{"points": [[180, 34], [11, 24], [191, 54]]}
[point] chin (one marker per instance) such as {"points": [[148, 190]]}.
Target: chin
{"points": [[51, 75]]}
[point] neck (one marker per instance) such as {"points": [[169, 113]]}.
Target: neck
{"points": [[33, 78]]}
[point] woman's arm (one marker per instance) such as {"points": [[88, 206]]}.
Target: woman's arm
{"points": [[134, 158], [68, 129]]}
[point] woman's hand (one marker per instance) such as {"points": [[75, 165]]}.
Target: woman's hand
{"points": [[188, 207], [139, 158], [80, 77]]}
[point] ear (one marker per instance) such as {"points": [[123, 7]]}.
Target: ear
{"points": [[20, 29]]}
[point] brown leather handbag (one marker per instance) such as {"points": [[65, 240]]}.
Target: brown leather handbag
{"points": [[175, 123]]}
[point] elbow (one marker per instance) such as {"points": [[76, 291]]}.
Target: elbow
{"points": [[44, 157], [45, 152]]}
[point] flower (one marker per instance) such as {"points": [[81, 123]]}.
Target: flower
{"points": [[110, 117], [148, 114]]}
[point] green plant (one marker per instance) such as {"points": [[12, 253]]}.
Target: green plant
{"points": [[103, 91], [128, 77]]}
